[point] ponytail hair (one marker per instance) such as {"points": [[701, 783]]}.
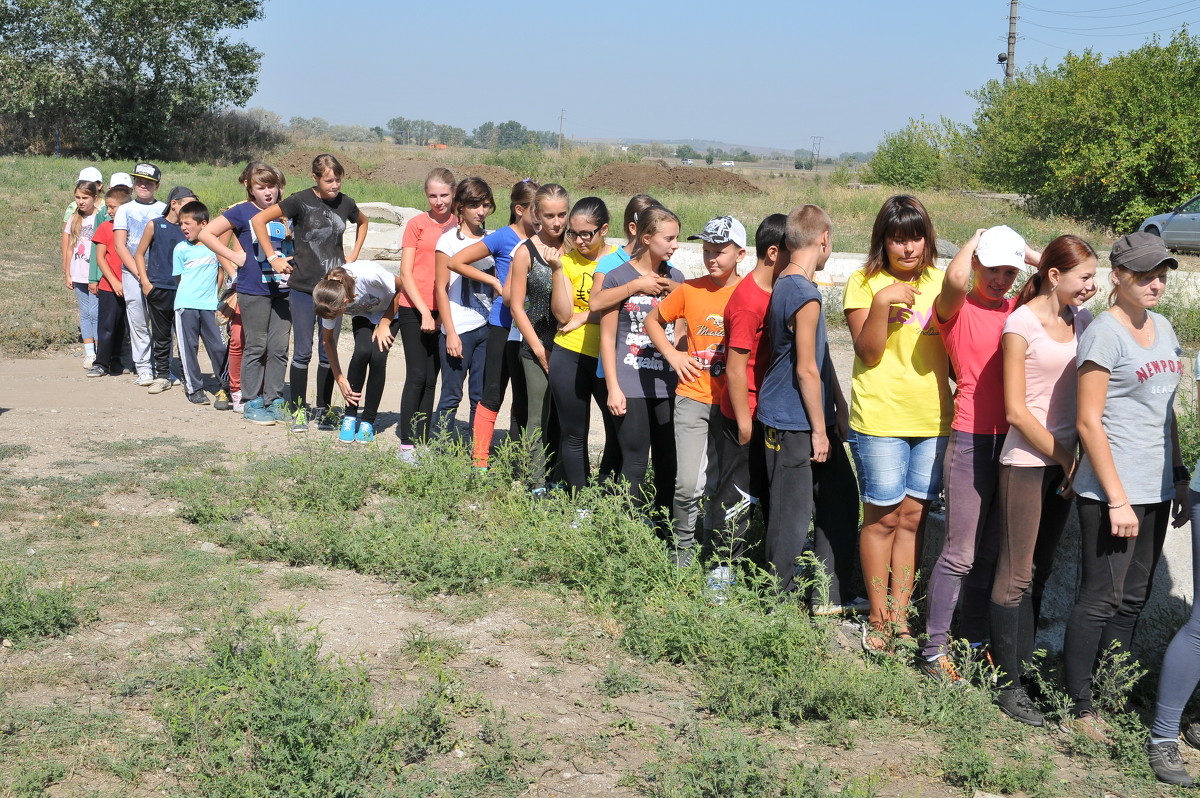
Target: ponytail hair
{"points": [[522, 194], [330, 295], [327, 163], [92, 189], [650, 221], [1063, 254], [636, 205]]}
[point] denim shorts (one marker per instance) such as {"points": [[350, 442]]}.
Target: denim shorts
{"points": [[891, 468]]}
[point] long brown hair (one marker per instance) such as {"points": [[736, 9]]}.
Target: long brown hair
{"points": [[902, 218], [330, 295], [92, 189], [1063, 253]]}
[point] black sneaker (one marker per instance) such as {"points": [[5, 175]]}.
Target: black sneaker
{"points": [[1015, 703], [1191, 735], [326, 419], [940, 669], [198, 398], [1167, 764]]}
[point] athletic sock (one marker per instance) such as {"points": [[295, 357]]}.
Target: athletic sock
{"points": [[485, 426], [89, 349]]}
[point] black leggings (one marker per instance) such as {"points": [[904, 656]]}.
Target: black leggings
{"points": [[369, 364], [1116, 575], [501, 364], [420, 376], [648, 428], [572, 383]]}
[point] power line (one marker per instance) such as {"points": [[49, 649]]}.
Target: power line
{"points": [[1119, 25], [1107, 8], [1091, 33], [1093, 14]]}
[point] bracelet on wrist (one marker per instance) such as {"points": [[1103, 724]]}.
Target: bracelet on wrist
{"points": [[1118, 506]]}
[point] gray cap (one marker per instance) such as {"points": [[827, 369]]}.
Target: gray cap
{"points": [[1141, 252], [179, 192]]}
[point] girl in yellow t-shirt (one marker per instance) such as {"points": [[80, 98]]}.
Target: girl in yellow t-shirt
{"points": [[572, 373], [900, 407]]}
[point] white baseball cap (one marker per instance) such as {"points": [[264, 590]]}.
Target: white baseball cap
{"points": [[1001, 246], [722, 230], [120, 179], [90, 174]]}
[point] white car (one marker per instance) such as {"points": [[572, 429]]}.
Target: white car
{"points": [[726, 163], [1179, 228]]}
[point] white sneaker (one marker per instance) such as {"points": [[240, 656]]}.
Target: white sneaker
{"points": [[89, 361], [159, 385], [174, 380], [143, 380], [237, 403]]}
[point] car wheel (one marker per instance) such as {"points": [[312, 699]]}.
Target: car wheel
{"points": [[1154, 231]]}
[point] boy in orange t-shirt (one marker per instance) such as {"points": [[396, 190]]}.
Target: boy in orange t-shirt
{"points": [[700, 305]]}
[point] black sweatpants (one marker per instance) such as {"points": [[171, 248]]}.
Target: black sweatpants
{"points": [[160, 312]]}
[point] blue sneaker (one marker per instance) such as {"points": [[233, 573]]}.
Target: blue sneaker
{"points": [[366, 432], [257, 413], [280, 412], [349, 429]]}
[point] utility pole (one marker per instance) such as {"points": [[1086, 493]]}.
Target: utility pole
{"points": [[1010, 63], [816, 150], [562, 114]]}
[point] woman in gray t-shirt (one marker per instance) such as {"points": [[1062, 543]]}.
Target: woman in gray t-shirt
{"points": [[1129, 367]]}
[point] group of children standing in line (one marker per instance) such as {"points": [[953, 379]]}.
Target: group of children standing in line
{"points": [[726, 382]]}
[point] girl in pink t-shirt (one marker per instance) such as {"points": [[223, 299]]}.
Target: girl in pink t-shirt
{"points": [[970, 323], [1039, 456], [418, 309], [76, 255]]}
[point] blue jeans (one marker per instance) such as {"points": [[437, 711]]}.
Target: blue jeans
{"points": [[455, 371], [89, 311]]}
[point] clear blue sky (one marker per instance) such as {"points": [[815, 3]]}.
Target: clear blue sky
{"points": [[771, 73]]}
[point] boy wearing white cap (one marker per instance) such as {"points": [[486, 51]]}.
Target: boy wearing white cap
{"points": [[970, 313], [128, 226]]}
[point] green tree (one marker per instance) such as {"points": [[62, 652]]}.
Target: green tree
{"points": [[924, 155], [686, 151], [708, 157], [1109, 141], [127, 79]]}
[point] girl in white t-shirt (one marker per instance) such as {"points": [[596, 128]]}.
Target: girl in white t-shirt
{"points": [[369, 293], [76, 253], [463, 303], [1039, 456]]}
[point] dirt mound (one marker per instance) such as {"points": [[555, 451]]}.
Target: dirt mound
{"points": [[297, 165], [413, 170], [632, 178]]}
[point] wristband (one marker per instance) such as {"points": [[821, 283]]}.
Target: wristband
{"points": [[1182, 474], [277, 255], [1118, 506]]}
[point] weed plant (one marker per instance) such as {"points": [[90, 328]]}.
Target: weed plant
{"points": [[262, 712], [725, 763], [28, 613]]}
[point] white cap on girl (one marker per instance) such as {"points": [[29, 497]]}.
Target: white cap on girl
{"points": [[90, 174]]}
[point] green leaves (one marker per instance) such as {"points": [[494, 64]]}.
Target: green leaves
{"points": [[1106, 141], [123, 78]]}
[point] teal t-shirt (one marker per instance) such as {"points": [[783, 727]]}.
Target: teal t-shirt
{"points": [[196, 267]]}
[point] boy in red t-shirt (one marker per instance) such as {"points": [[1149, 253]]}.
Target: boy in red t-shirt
{"points": [[110, 322], [700, 305], [742, 482]]}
